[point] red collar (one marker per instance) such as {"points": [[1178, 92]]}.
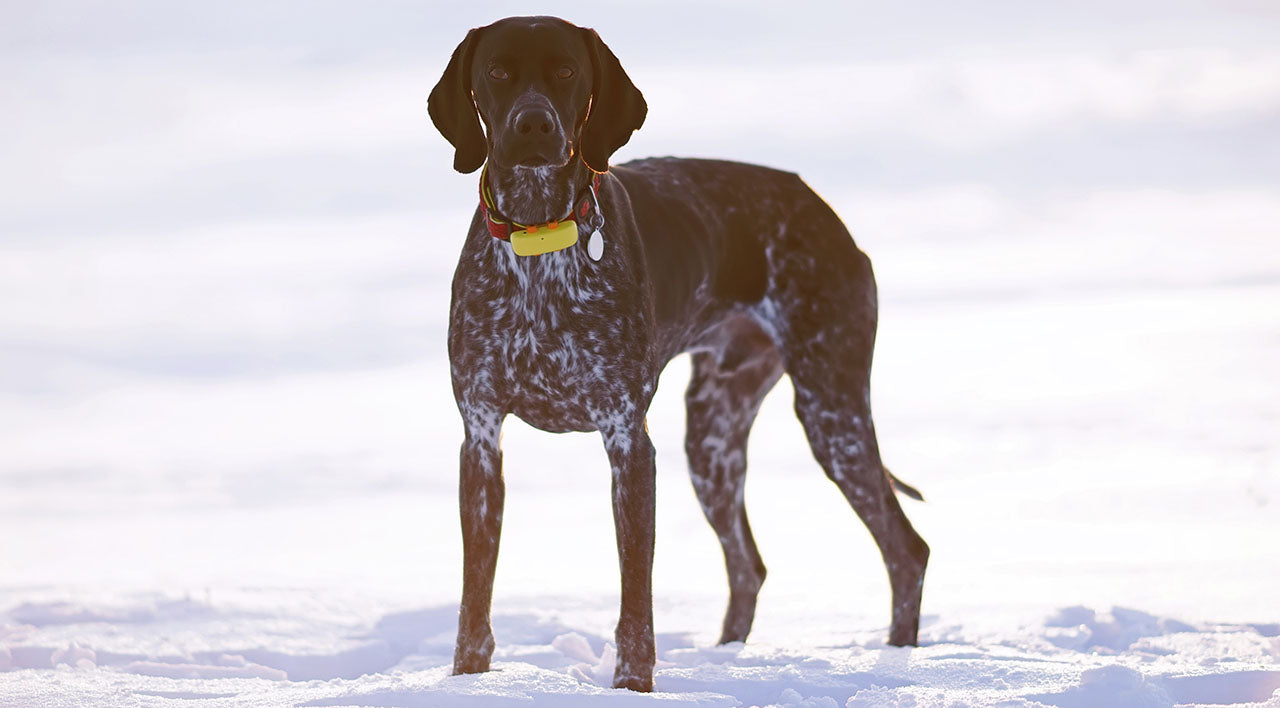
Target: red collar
{"points": [[502, 228]]}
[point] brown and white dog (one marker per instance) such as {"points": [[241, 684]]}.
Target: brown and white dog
{"points": [[742, 266]]}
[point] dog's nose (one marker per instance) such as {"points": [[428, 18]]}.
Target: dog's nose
{"points": [[534, 120]]}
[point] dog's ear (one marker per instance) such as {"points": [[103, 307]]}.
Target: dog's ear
{"points": [[617, 106], [454, 111]]}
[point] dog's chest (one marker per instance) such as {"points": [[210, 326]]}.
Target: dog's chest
{"points": [[546, 334]]}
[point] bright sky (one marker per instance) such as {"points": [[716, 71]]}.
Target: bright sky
{"points": [[227, 229]]}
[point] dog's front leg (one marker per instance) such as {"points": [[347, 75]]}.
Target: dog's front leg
{"points": [[480, 493], [631, 456]]}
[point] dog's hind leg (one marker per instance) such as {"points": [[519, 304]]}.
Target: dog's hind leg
{"points": [[843, 440], [721, 406], [827, 333]]}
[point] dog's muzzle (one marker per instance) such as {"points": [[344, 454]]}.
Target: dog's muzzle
{"points": [[534, 137]]}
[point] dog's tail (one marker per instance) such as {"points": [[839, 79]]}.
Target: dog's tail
{"points": [[903, 487]]}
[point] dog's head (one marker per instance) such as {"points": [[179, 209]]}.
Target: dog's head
{"points": [[546, 90]]}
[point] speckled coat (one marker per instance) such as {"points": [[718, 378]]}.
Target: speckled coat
{"points": [[742, 266]]}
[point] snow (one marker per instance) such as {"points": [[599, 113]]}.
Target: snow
{"points": [[228, 444], [194, 649]]}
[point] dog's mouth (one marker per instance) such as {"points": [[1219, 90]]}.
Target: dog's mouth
{"points": [[542, 158], [534, 154], [537, 161]]}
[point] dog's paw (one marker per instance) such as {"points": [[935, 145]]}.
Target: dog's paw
{"points": [[470, 664], [641, 684]]}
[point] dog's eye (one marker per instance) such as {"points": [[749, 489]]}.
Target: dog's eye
{"points": [[498, 73], [564, 72]]}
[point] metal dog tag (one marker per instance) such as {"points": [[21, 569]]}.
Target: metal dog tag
{"points": [[595, 245]]}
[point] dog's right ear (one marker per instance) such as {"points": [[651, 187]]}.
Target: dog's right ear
{"points": [[454, 111]]}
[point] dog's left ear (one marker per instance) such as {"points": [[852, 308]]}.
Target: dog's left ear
{"points": [[454, 111], [617, 106]]}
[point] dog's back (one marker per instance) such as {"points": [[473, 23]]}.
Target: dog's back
{"points": [[720, 235]]}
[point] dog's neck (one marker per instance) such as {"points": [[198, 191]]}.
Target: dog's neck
{"points": [[537, 195]]}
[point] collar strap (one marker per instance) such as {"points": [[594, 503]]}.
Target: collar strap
{"points": [[502, 228]]}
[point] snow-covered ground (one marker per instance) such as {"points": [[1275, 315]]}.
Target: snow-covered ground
{"points": [[228, 443]]}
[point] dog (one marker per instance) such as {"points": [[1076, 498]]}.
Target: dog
{"points": [[579, 281]]}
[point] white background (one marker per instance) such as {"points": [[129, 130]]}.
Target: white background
{"points": [[226, 237]]}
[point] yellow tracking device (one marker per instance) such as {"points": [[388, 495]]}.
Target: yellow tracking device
{"points": [[537, 240]]}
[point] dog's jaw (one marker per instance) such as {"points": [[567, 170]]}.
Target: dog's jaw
{"points": [[535, 195]]}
